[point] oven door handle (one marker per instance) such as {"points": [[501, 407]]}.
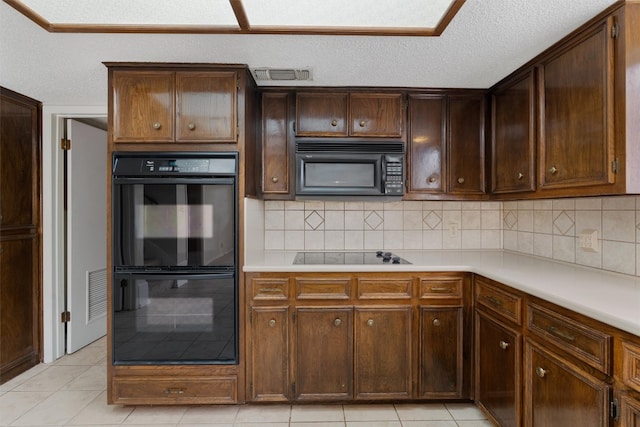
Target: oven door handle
{"points": [[174, 276], [166, 180]]}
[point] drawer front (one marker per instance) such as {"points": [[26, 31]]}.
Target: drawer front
{"points": [[631, 365], [587, 344], [500, 302], [323, 288], [172, 390], [270, 289], [384, 288], [440, 288]]}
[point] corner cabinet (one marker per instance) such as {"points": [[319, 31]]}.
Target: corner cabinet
{"points": [[169, 105], [355, 336]]}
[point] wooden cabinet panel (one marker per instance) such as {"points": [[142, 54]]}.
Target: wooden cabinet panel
{"points": [[504, 303], [498, 356], [576, 131], [140, 390], [270, 289], [269, 364], [385, 288], [206, 105], [321, 114], [441, 352], [629, 412], [375, 114], [513, 117], [276, 161], [426, 143], [631, 365], [386, 333], [321, 288], [142, 107], [559, 393], [434, 288], [466, 156], [323, 353]]}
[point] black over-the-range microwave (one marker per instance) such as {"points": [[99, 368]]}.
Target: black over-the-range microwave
{"points": [[328, 169]]}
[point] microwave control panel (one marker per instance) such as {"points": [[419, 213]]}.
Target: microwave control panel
{"points": [[394, 181]]}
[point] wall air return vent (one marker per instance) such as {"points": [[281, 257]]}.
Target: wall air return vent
{"points": [[281, 74]]}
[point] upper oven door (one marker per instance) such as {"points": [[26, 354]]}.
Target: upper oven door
{"points": [[174, 223], [339, 174]]}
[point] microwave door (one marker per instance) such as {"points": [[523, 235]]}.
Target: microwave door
{"points": [[331, 175]]}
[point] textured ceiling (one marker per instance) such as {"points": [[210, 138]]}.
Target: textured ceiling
{"points": [[486, 41]]}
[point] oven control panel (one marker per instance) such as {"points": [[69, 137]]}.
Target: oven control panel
{"points": [[137, 164], [176, 165]]}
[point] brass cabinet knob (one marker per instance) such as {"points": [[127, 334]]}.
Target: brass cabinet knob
{"points": [[334, 123], [553, 170], [431, 179], [157, 125], [362, 123], [519, 175], [274, 179], [461, 180], [504, 345], [436, 322], [272, 323], [191, 126], [370, 322], [541, 372], [337, 322]]}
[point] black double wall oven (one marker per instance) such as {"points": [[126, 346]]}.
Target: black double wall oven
{"points": [[175, 257]]}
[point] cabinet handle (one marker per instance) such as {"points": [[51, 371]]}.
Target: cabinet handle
{"points": [[191, 126], [370, 322], [274, 179], [553, 170], [557, 332], [174, 391], [436, 322], [504, 345], [431, 179], [157, 125], [461, 180], [541, 372], [440, 289], [272, 323], [362, 123], [337, 322], [519, 175], [334, 123], [493, 300]]}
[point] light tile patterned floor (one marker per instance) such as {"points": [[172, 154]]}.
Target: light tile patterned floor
{"points": [[72, 392]]}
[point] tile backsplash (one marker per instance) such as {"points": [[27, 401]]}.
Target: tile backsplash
{"points": [[546, 228]]}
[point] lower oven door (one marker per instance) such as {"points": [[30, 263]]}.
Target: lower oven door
{"points": [[174, 319]]}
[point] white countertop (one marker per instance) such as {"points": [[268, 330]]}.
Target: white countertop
{"points": [[611, 298]]}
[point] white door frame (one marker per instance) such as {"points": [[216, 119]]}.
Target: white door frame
{"points": [[53, 301]]}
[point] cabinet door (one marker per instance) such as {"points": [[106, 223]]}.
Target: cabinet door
{"points": [[206, 106], [498, 364], [142, 108], [377, 115], [426, 143], [441, 352], [323, 354], [321, 114], [383, 353], [629, 412], [513, 136], [558, 393], [576, 135], [466, 144], [269, 353], [275, 143]]}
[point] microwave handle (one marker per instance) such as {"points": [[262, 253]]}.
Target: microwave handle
{"points": [[384, 173]]}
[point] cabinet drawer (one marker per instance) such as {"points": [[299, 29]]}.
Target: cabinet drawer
{"points": [[323, 288], [440, 288], [384, 288], [631, 365], [587, 344], [270, 289], [168, 390], [501, 302]]}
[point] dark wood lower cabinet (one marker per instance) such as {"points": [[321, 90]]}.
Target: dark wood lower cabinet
{"points": [[629, 412], [560, 393]]}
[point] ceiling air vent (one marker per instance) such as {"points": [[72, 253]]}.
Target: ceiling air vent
{"points": [[283, 74]]}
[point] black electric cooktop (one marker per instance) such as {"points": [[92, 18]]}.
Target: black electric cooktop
{"points": [[353, 258]]}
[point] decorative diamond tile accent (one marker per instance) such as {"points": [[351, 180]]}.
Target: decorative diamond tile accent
{"points": [[510, 220], [373, 220], [314, 220], [432, 220], [563, 223]]}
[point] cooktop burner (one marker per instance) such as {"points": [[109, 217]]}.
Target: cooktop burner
{"points": [[357, 258]]}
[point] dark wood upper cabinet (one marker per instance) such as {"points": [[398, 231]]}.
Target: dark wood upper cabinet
{"points": [[576, 98], [513, 135], [276, 160], [342, 114]]}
